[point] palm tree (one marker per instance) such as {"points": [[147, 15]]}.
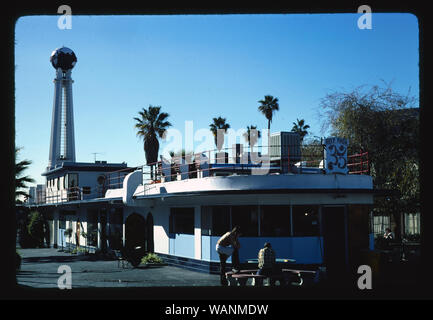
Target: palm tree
{"points": [[252, 135], [216, 127], [301, 128], [150, 125], [21, 181], [268, 107]]}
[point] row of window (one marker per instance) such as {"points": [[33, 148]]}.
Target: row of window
{"points": [[412, 224], [265, 221], [64, 182], [114, 234]]}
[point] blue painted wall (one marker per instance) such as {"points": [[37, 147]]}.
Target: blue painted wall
{"points": [[371, 238], [206, 248], [181, 245], [305, 250]]}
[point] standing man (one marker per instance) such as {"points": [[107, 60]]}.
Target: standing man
{"points": [[228, 245]]}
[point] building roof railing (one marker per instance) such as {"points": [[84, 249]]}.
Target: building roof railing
{"points": [[296, 159]]}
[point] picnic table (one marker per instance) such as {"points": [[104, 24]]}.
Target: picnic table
{"points": [[285, 277], [279, 260]]}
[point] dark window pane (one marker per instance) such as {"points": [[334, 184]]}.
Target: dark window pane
{"points": [[182, 220], [246, 217], [92, 227], [275, 221], [62, 217], [62, 222], [220, 220], [116, 229], [206, 220], [305, 221]]}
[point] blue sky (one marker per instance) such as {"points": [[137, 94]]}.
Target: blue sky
{"points": [[198, 67]]}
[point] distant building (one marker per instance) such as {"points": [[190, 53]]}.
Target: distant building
{"points": [[37, 194]]}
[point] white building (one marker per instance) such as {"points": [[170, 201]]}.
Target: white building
{"points": [[315, 215]]}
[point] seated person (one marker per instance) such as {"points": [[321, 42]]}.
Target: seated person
{"points": [[388, 234], [267, 265], [388, 238]]}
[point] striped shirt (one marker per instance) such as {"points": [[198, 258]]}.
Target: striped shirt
{"points": [[266, 258]]}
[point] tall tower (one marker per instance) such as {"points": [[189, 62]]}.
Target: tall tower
{"points": [[62, 144]]}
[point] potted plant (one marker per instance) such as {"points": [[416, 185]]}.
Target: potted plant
{"points": [[68, 233]]}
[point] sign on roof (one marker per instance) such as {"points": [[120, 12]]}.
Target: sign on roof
{"points": [[336, 155]]}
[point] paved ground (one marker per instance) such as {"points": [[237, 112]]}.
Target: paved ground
{"points": [[39, 269]]}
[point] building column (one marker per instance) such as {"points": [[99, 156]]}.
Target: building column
{"points": [[124, 215], [98, 240], [55, 228], [197, 232]]}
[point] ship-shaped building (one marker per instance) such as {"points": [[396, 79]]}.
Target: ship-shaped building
{"points": [[317, 215]]}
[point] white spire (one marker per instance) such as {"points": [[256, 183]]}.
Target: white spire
{"points": [[62, 143]]}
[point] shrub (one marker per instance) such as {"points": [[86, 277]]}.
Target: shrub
{"points": [[78, 250], [36, 228], [413, 237], [25, 240], [151, 258]]}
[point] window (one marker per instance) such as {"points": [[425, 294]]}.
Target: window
{"points": [[71, 180], [305, 221], [215, 220], [181, 220], [92, 227], [246, 217], [206, 220], [275, 221], [116, 228], [380, 223], [412, 223], [62, 222], [220, 220]]}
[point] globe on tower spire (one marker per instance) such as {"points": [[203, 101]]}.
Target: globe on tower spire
{"points": [[63, 58]]}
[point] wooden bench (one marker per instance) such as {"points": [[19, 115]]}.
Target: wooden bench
{"points": [[284, 278]]}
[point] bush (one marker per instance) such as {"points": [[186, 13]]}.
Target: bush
{"points": [[78, 250], [413, 237], [151, 258], [36, 228], [25, 240]]}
